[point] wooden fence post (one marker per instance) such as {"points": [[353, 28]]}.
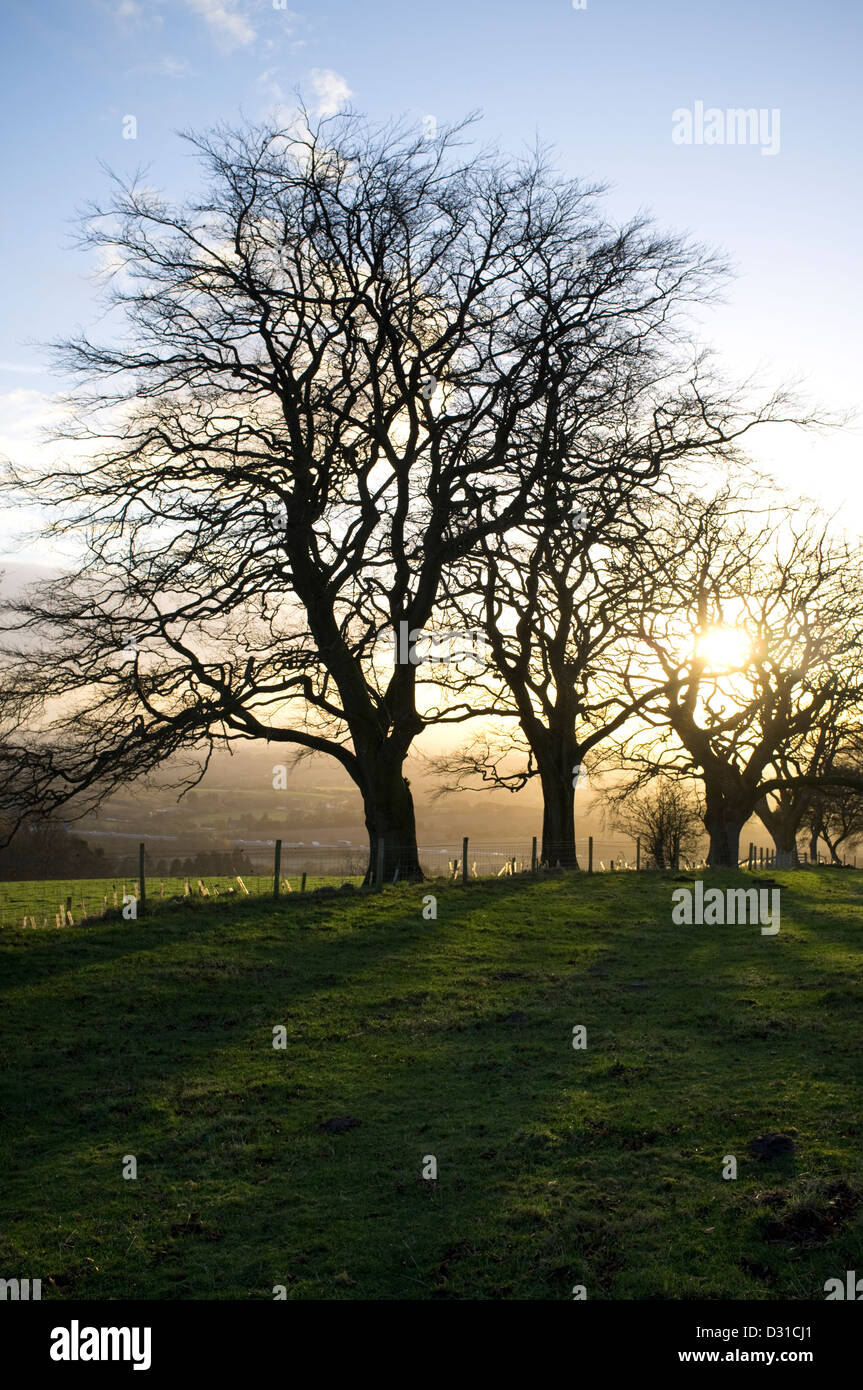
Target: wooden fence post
{"points": [[464, 878], [590, 854], [533, 856], [638, 854], [142, 881], [277, 868]]}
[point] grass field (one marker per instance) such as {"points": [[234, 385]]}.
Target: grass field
{"points": [[43, 900], [451, 1038]]}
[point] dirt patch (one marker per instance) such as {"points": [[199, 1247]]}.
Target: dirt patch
{"points": [[770, 1146], [339, 1124], [815, 1218]]}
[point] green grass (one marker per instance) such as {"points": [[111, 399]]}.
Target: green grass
{"points": [[451, 1037], [43, 899]]}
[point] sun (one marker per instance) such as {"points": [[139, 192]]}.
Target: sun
{"points": [[723, 648]]}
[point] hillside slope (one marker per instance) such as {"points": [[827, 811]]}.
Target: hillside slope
{"points": [[449, 1039]]}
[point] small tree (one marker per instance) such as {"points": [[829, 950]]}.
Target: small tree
{"points": [[45, 849], [665, 814], [835, 815]]}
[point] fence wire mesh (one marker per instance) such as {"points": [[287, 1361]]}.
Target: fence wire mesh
{"points": [[109, 883]]}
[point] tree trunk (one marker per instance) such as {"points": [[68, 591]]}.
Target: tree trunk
{"points": [[783, 822], [724, 832], [724, 820], [558, 821], [389, 815], [784, 838]]}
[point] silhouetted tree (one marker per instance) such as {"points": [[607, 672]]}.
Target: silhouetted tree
{"points": [[340, 370], [665, 814], [44, 848], [753, 618], [835, 815]]}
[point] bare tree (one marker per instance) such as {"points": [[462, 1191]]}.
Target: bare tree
{"points": [[665, 814], [753, 618], [44, 849], [333, 377], [815, 754], [552, 595], [835, 815]]}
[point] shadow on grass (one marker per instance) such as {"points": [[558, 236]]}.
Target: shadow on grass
{"points": [[449, 1039]]}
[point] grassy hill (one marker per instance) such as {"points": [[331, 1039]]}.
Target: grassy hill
{"points": [[450, 1038]]}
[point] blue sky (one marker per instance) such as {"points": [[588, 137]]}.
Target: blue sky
{"points": [[599, 83]]}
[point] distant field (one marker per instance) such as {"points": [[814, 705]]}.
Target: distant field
{"points": [[449, 1038]]}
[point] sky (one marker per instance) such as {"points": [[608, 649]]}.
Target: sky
{"points": [[609, 85]]}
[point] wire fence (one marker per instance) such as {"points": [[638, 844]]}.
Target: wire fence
{"points": [[127, 881], [135, 880]]}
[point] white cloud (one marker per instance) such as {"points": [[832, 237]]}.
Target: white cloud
{"points": [[130, 14], [270, 85], [164, 67], [231, 28], [24, 414], [331, 90], [112, 268], [170, 67]]}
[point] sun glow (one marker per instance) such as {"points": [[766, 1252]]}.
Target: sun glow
{"points": [[723, 648]]}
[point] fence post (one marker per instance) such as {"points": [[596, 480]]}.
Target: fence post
{"points": [[142, 881], [590, 854], [533, 856], [751, 854], [379, 867], [464, 878], [638, 854], [277, 869], [303, 884]]}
